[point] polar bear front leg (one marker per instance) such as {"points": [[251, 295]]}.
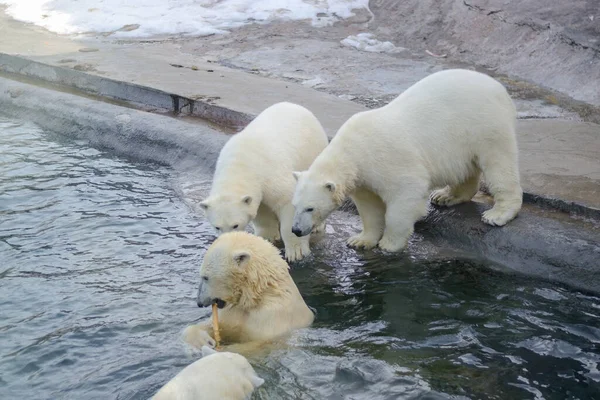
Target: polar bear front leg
{"points": [[402, 211], [319, 228], [266, 224], [371, 210], [296, 247]]}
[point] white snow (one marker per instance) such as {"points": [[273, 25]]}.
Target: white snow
{"points": [[315, 82], [137, 18], [367, 42]]}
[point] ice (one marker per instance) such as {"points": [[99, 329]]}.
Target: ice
{"points": [[126, 18], [367, 42]]}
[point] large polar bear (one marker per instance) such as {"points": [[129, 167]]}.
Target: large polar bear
{"points": [[216, 376], [250, 283], [442, 132], [253, 179]]}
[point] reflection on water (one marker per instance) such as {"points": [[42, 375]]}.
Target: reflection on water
{"points": [[98, 267]]}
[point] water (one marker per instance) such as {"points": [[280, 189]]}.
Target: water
{"points": [[98, 271]]}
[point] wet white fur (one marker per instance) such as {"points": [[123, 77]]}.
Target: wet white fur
{"points": [[262, 302], [216, 376]]}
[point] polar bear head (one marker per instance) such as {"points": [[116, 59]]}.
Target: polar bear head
{"points": [[217, 375], [314, 199], [239, 270], [235, 364], [229, 213]]}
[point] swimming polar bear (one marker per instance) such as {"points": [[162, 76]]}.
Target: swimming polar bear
{"points": [[216, 376]]}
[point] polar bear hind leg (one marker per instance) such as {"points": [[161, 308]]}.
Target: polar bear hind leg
{"points": [[501, 174], [452, 195]]}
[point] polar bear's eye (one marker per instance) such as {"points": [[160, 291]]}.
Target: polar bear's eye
{"points": [[205, 278], [235, 226], [309, 209], [217, 228]]}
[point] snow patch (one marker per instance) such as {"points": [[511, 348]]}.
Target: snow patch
{"points": [[136, 18], [367, 42], [315, 82]]}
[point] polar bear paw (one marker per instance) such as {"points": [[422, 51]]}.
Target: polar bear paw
{"points": [[497, 216], [297, 251], [392, 245], [197, 336], [362, 241], [443, 197]]}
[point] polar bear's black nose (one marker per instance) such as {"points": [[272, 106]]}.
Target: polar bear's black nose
{"points": [[297, 232]]}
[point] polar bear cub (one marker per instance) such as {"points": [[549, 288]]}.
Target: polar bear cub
{"points": [[253, 178], [442, 132], [216, 376], [250, 283]]}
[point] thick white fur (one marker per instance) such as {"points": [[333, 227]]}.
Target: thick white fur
{"points": [[216, 376], [262, 302], [442, 132], [253, 179]]}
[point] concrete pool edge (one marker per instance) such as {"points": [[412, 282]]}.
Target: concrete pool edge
{"points": [[542, 243], [145, 97], [126, 131]]}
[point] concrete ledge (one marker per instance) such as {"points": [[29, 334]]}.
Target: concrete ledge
{"points": [[541, 243], [142, 96], [562, 205], [545, 244]]}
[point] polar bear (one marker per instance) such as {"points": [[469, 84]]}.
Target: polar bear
{"points": [[216, 376], [249, 281], [442, 132], [253, 178]]}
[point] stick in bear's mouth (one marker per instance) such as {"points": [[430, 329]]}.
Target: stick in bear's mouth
{"points": [[215, 322]]}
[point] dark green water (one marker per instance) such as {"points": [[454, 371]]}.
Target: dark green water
{"points": [[98, 270]]}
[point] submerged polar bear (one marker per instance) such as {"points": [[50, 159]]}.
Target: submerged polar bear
{"points": [[442, 132], [253, 179], [250, 283], [216, 376]]}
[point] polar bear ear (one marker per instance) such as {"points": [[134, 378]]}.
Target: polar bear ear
{"points": [[241, 257], [297, 175], [247, 200], [330, 186]]}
